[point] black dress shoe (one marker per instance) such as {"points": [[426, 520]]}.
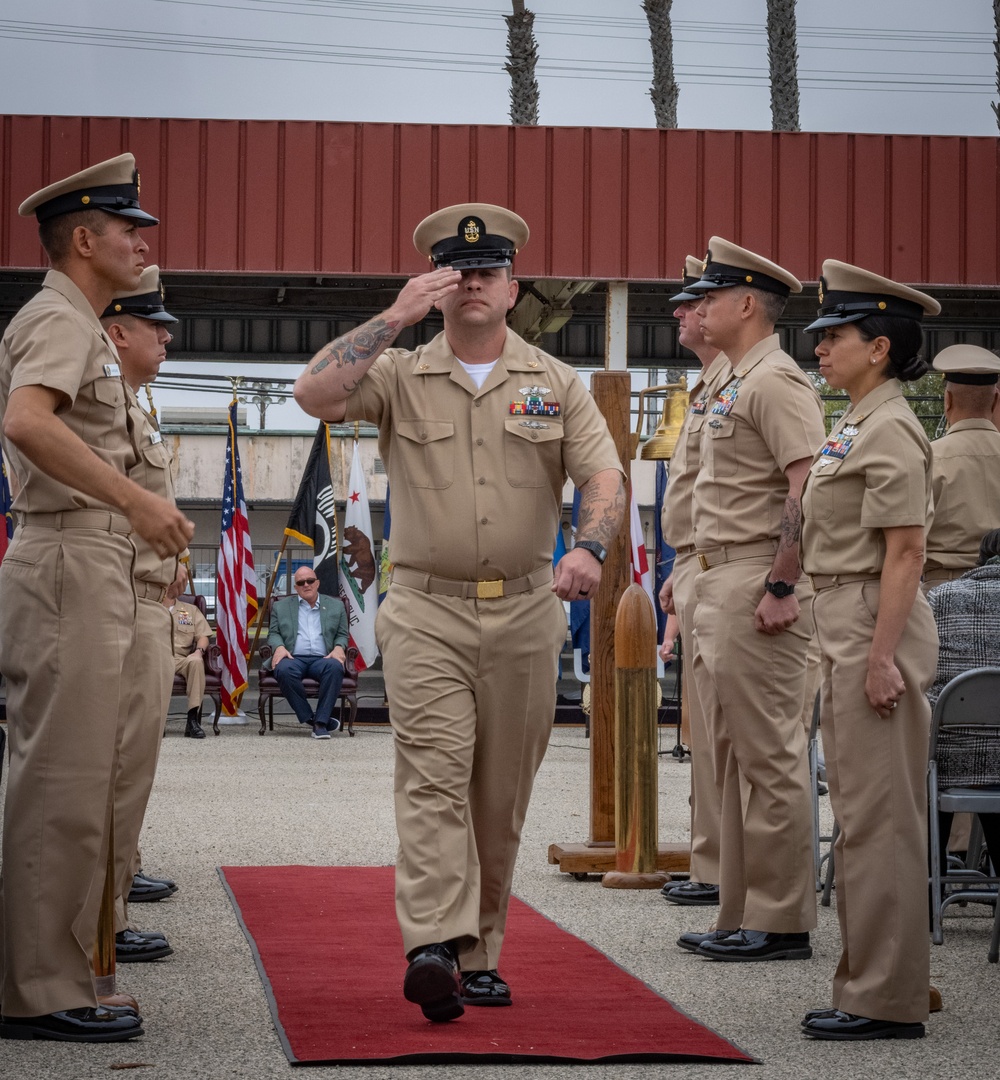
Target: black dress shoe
{"points": [[692, 942], [815, 1014], [692, 894], [484, 988], [842, 1025], [432, 982], [146, 889], [135, 948], [747, 945], [88, 1024], [149, 935]]}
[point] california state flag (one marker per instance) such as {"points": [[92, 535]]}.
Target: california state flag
{"points": [[641, 573], [358, 569]]}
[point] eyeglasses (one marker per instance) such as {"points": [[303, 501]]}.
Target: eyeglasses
{"points": [[306, 581]]}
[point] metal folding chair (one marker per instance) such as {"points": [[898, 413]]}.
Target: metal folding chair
{"points": [[963, 774]]}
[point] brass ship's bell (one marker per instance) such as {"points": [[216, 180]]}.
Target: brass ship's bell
{"points": [[661, 444]]}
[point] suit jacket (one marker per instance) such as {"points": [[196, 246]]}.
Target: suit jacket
{"points": [[284, 627]]}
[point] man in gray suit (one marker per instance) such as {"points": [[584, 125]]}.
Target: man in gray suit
{"points": [[308, 634]]}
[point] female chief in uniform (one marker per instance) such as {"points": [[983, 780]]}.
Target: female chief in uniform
{"points": [[865, 509]]}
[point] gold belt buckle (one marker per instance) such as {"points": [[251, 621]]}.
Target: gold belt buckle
{"points": [[489, 590], [703, 561]]}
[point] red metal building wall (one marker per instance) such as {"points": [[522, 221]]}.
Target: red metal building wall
{"points": [[604, 203]]}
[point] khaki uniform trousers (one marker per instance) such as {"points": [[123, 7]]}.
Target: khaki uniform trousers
{"points": [[192, 667], [706, 806], [751, 687], [472, 688], [877, 772], [933, 578], [67, 625], [148, 702]]}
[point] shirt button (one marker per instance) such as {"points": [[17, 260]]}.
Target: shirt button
{"points": [[534, 434], [423, 436], [485, 562], [477, 404], [484, 521], [482, 480], [479, 442]]}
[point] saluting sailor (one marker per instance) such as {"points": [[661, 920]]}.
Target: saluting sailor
{"points": [[472, 625]]}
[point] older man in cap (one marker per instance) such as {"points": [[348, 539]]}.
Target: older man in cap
{"points": [[139, 328], [751, 634], [478, 431], [966, 469], [678, 595], [67, 621]]}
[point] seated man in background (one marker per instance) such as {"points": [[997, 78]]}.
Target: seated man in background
{"points": [[965, 611], [191, 634], [308, 634]]}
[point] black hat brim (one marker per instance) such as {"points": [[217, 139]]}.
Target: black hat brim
{"points": [[825, 321], [683, 295]]}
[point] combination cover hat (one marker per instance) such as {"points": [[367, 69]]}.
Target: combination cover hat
{"points": [[145, 302], [689, 275], [112, 186], [727, 265], [968, 364], [471, 236], [849, 293]]}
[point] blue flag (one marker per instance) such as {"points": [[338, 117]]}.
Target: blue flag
{"points": [[579, 610], [663, 553]]}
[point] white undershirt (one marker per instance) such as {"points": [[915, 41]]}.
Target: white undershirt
{"points": [[478, 372]]}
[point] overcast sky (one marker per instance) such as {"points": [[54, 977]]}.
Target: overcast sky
{"points": [[908, 66], [864, 65]]}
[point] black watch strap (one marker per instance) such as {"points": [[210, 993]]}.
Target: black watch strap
{"points": [[599, 551], [779, 589]]}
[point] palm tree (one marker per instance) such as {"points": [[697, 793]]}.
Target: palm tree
{"points": [[782, 58], [661, 40], [996, 53], [522, 55]]}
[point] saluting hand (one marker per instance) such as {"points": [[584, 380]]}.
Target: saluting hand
{"points": [[421, 293]]}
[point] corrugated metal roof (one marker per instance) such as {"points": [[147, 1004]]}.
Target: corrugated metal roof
{"points": [[603, 203]]}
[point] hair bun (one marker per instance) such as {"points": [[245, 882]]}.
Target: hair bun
{"points": [[914, 368]]}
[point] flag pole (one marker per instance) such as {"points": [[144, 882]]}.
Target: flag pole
{"points": [[258, 618]]}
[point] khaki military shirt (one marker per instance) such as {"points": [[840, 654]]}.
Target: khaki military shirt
{"points": [[477, 475], [758, 422], [189, 625], [965, 479], [152, 472], [677, 520], [872, 473], [56, 341]]}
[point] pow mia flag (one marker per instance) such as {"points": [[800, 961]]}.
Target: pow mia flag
{"points": [[313, 520]]}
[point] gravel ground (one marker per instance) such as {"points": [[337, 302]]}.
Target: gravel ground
{"points": [[286, 799]]}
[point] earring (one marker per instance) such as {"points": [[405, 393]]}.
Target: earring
{"points": [[874, 361]]}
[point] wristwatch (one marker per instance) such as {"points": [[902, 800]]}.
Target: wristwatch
{"points": [[778, 589], [599, 552]]}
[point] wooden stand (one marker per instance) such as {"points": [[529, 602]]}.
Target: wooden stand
{"points": [[612, 392]]}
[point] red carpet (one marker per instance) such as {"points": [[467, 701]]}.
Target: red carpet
{"points": [[330, 956]]}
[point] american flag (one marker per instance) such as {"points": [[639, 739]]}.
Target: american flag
{"points": [[236, 592]]}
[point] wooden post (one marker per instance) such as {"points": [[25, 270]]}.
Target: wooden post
{"points": [[635, 746], [104, 946], [612, 392]]}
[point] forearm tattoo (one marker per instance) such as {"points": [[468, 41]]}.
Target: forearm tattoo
{"points": [[791, 525], [601, 515], [361, 344]]}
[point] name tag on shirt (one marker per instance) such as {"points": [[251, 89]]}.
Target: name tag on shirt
{"points": [[112, 371], [155, 438]]}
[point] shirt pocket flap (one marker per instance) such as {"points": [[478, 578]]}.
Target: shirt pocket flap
{"points": [[425, 431], [109, 391], [525, 430]]}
